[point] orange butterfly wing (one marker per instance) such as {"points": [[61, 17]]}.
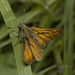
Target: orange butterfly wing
{"points": [[27, 53], [32, 46], [30, 50], [45, 35]]}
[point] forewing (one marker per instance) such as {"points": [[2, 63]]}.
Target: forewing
{"points": [[45, 35], [31, 50]]}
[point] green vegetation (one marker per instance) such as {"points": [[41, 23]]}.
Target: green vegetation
{"points": [[58, 55]]}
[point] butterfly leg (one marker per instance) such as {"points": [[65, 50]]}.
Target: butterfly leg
{"points": [[15, 36]]}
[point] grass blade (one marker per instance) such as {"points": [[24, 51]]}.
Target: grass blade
{"points": [[10, 21], [70, 37], [68, 56]]}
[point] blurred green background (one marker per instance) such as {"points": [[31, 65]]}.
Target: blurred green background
{"points": [[58, 55]]}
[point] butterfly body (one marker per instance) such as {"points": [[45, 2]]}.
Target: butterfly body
{"points": [[34, 40]]}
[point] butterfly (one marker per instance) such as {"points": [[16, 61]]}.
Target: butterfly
{"points": [[34, 40]]}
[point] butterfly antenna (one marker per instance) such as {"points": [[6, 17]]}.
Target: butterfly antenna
{"points": [[24, 15]]}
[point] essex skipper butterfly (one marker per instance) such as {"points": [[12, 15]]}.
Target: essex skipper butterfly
{"points": [[34, 40]]}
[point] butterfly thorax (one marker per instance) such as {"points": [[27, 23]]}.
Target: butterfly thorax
{"points": [[25, 31]]}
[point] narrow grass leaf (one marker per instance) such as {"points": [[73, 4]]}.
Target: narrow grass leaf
{"points": [[10, 21]]}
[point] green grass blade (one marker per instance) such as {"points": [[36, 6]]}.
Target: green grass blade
{"points": [[49, 68], [3, 32], [31, 14], [8, 72], [65, 40], [70, 36], [10, 21], [4, 43]]}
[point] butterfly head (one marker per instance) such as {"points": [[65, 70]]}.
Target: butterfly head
{"points": [[24, 30], [21, 27]]}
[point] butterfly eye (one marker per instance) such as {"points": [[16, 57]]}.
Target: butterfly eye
{"points": [[20, 28]]}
